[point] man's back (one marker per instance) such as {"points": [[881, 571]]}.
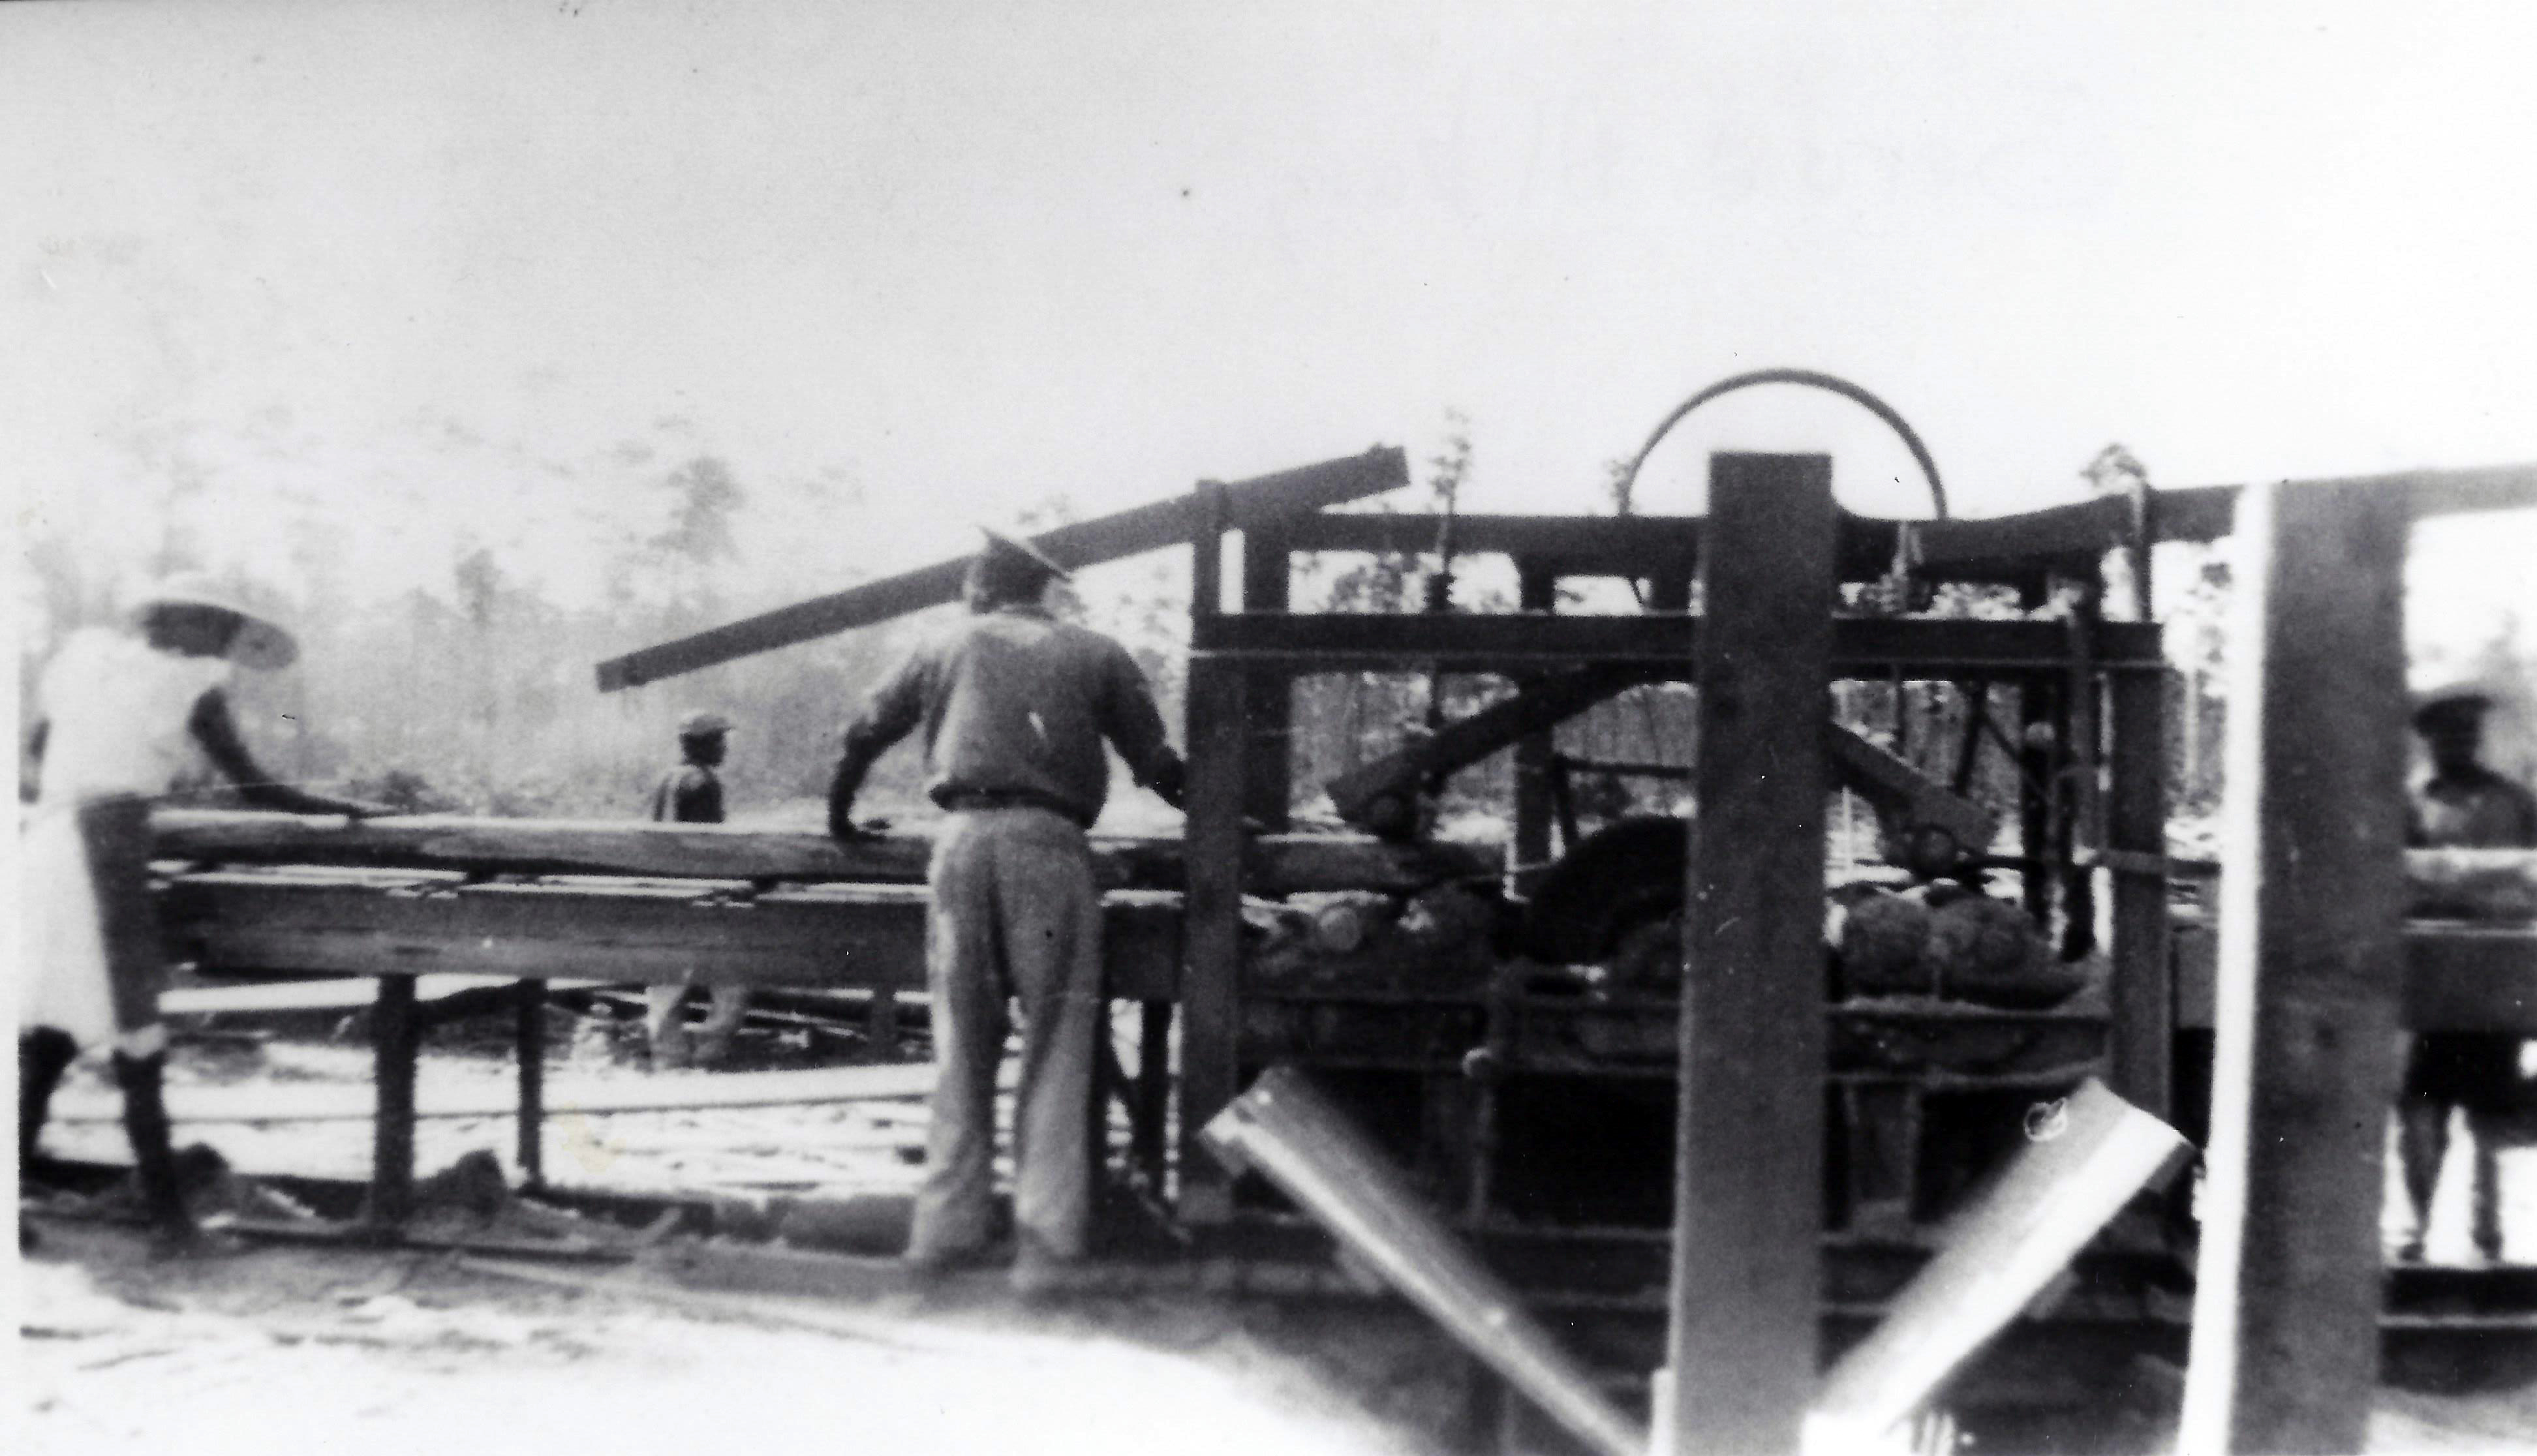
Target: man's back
{"points": [[689, 793], [1015, 702]]}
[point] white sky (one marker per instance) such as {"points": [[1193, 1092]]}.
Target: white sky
{"points": [[433, 261]]}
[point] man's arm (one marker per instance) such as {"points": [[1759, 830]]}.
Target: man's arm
{"points": [[214, 729], [1132, 723], [894, 708]]}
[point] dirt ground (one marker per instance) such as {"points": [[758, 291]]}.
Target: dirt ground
{"points": [[332, 1349], [324, 1349]]}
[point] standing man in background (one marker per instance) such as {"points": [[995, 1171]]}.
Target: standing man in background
{"points": [[2465, 805], [1016, 707], [691, 793]]}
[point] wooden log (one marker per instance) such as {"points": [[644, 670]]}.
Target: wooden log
{"points": [[1278, 865], [344, 1101], [1265, 498], [2083, 1162], [1300, 1141], [2287, 1296], [1748, 1183]]}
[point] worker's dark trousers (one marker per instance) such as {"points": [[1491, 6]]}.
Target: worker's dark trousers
{"points": [[1013, 917]]}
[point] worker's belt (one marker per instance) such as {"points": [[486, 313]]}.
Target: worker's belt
{"points": [[956, 799]]}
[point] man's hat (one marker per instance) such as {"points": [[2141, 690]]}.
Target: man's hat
{"points": [[703, 726], [2460, 698], [998, 541], [261, 643]]}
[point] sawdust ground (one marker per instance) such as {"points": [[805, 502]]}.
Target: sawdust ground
{"points": [[386, 1353]]}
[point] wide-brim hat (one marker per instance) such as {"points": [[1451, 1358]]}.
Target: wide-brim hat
{"points": [[703, 726], [261, 643], [1013, 546]]}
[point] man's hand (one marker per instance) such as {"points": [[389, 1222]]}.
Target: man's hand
{"points": [[1170, 783], [847, 831]]}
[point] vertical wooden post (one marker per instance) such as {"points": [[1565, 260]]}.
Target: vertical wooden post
{"points": [[1211, 899], [2144, 1002], [395, 1040], [1748, 1184], [2036, 759], [1153, 1091], [1536, 590], [529, 1044], [1268, 778], [2285, 1304]]}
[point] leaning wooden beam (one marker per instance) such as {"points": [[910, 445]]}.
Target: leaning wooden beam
{"points": [[2084, 1161], [2285, 1351], [1276, 865], [1287, 1132], [308, 1102], [1165, 523], [1748, 1184]]}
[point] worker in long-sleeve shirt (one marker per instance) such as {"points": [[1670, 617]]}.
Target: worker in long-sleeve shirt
{"points": [[1016, 707], [691, 793]]}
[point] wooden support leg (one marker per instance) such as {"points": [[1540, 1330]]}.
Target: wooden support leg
{"points": [[1748, 1174], [1211, 980], [529, 1041], [1153, 1091], [396, 1039], [881, 1022], [2144, 989], [2287, 1293]]}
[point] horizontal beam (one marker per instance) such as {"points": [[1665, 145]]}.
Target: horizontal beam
{"points": [[1164, 523], [1532, 642], [1957, 549], [863, 937], [1276, 865]]}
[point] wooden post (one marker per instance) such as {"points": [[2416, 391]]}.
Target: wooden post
{"points": [[1269, 780], [529, 1043], [2143, 991], [1536, 590], [1153, 1091], [1748, 1184], [395, 1040], [2037, 760], [1212, 905], [2285, 1304]]}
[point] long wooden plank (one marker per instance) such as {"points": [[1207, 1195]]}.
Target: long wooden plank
{"points": [[1146, 528], [1748, 1182], [863, 937], [347, 1101], [1276, 863], [2287, 1295], [322, 996]]}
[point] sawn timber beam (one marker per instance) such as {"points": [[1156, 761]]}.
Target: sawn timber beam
{"points": [[1164, 523]]}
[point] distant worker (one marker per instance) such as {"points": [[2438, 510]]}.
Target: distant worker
{"points": [[691, 793], [1016, 706], [121, 719], [2463, 804]]}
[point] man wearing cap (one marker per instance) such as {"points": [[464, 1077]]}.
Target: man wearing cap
{"points": [[691, 793], [2463, 804], [121, 719], [1016, 707]]}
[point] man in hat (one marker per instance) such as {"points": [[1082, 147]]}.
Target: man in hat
{"points": [[1016, 707], [121, 719], [691, 793], [2464, 805]]}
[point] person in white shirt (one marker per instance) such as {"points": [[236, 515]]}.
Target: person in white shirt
{"points": [[122, 718]]}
